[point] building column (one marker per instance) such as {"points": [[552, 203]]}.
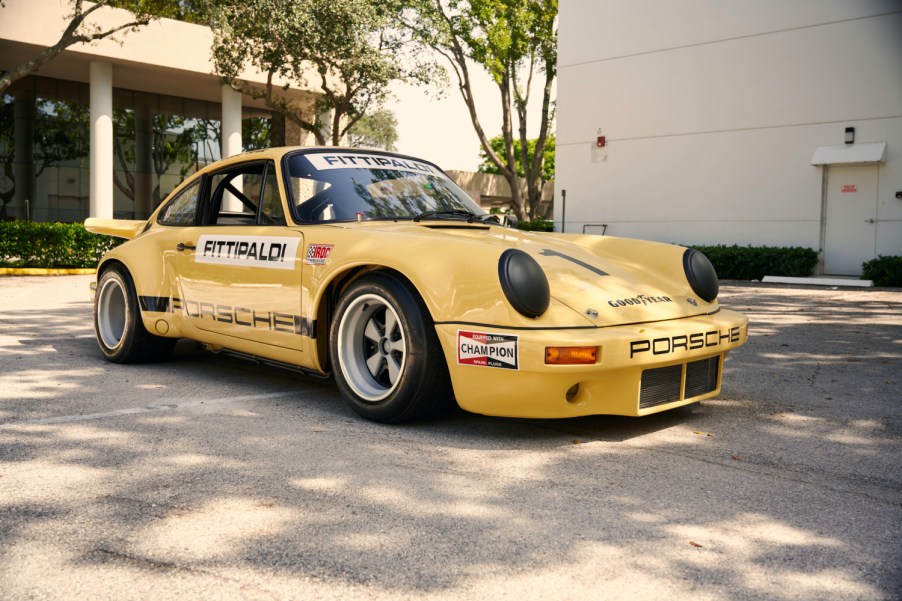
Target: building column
{"points": [[23, 160], [324, 120], [143, 161], [231, 140], [101, 140], [231, 122]]}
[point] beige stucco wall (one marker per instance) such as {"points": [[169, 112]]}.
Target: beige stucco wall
{"points": [[712, 112]]}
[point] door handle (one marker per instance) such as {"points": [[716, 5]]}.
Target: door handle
{"points": [[182, 246]]}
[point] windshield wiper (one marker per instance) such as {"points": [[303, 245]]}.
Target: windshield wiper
{"points": [[445, 214], [485, 217]]}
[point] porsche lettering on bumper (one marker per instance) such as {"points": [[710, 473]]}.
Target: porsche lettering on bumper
{"points": [[684, 342]]}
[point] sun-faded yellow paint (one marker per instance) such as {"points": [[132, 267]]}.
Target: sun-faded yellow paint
{"points": [[453, 266]]}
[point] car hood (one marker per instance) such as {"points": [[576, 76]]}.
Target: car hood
{"points": [[607, 280]]}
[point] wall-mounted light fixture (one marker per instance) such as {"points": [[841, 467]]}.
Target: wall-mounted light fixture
{"points": [[850, 135]]}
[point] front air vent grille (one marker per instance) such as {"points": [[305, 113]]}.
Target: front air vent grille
{"points": [[701, 377], [660, 385], [663, 385]]}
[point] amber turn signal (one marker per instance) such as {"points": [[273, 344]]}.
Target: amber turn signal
{"points": [[571, 355]]}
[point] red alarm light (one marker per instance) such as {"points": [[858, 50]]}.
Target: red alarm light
{"points": [[600, 142]]}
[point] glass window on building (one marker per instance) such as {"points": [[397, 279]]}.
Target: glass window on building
{"points": [[158, 142]]}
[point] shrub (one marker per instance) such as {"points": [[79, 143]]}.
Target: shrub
{"points": [[754, 262], [33, 244], [885, 271], [537, 225]]}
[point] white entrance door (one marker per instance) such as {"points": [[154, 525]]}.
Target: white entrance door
{"points": [[851, 230]]}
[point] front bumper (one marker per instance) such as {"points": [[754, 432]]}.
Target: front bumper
{"points": [[641, 368]]}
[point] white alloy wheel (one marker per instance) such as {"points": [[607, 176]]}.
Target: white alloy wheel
{"points": [[112, 313], [372, 347], [384, 351]]}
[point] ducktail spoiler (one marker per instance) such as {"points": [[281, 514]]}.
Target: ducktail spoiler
{"points": [[119, 228]]}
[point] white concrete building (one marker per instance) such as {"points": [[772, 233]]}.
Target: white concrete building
{"points": [[769, 123], [163, 69]]}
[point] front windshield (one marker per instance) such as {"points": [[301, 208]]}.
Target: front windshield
{"points": [[339, 185]]}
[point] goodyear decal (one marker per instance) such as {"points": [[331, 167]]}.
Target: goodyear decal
{"points": [[347, 160], [487, 350], [269, 252], [317, 253], [640, 299]]}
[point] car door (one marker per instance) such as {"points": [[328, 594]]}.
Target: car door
{"points": [[238, 270]]}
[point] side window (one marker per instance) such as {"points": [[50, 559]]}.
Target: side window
{"points": [[235, 194], [182, 210], [246, 194], [271, 211]]}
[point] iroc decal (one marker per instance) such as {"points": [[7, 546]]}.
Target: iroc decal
{"points": [[487, 350], [250, 251], [317, 253]]}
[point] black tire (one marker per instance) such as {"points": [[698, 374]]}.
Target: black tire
{"points": [[385, 355], [120, 332]]}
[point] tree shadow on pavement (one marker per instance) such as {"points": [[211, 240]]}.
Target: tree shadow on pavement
{"points": [[229, 478]]}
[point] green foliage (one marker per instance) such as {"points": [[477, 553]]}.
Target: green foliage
{"points": [[189, 11], [884, 271], [497, 143], [256, 133], [537, 225], [348, 51], [754, 262], [32, 244], [379, 130], [515, 42]]}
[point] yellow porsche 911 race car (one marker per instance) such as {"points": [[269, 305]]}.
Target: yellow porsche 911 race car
{"points": [[377, 269]]}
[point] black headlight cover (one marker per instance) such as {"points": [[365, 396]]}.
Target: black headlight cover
{"points": [[524, 283], [701, 274]]}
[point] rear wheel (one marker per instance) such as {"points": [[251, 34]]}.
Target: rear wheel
{"points": [[120, 332], [387, 360]]}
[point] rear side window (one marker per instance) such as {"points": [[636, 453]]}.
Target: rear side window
{"points": [[182, 210], [244, 194]]}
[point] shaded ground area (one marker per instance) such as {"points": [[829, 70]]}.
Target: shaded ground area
{"points": [[208, 477]]}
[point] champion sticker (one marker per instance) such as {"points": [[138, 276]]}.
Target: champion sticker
{"points": [[249, 251], [318, 253], [367, 161], [487, 350]]}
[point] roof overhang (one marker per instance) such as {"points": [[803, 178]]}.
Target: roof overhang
{"points": [[850, 154]]}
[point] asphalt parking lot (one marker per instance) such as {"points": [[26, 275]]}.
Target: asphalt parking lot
{"points": [[208, 477]]}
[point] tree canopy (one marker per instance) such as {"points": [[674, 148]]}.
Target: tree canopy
{"points": [[378, 130], [515, 42], [348, 51], [497, 142]]}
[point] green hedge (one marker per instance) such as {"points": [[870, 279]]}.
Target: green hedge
{"points": [[885, 271], [33, 244], [754, 262], [538, 225]]}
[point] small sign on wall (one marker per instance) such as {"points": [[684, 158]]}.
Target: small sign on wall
{"points": [[849, 188]]}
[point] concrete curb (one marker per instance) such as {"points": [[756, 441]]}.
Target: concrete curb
{"points": [[46, 271]]}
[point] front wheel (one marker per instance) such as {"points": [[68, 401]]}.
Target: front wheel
{"points": [[120, 332], [387, 360]]}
